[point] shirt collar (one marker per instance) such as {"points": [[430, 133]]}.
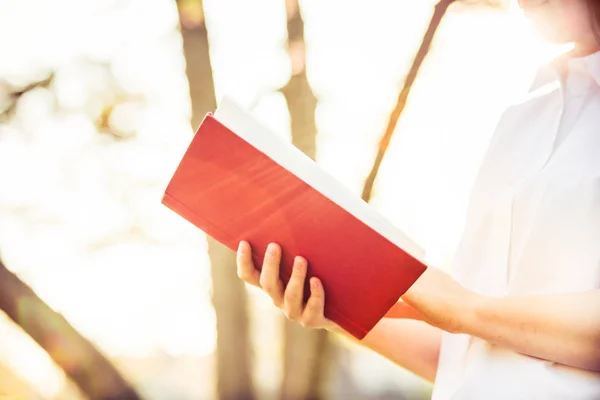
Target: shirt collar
{"points": [[556, 69]]}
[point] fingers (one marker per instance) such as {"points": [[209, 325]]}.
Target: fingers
{"points": [[269, 276], [313, 315], [291, 300], [294, 292], [245, 267]]}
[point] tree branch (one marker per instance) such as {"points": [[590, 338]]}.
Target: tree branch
{"points": [[434, 23], [90, 370]]}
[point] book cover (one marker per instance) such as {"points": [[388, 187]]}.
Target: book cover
{"points": [[239, 181]]}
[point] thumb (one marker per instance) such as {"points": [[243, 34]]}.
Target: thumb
{"points": [[403, 310]]}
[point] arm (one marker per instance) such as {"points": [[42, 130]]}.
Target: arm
{"points": [[559, 328], [411, 344]]}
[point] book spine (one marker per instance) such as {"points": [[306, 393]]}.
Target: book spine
{"points": [[197, 220]]}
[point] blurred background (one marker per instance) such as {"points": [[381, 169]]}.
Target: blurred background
{"points": [[105, 293]]}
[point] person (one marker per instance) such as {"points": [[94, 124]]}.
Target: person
{"points": [[518, 314]]}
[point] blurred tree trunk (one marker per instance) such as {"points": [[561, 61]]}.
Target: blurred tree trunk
{"points": [[234, 379], [438, 14], [307, 353], [91, 371]]}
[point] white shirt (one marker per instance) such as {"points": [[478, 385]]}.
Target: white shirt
{"points": [[532, 227]]}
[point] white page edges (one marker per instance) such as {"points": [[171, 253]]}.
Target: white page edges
{"points": [[243, 124]]}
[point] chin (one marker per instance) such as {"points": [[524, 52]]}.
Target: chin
{"points": [[557, 39], [553, 34]]}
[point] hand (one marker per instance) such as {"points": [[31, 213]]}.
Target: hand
{"points": [[440, 301], [290, 299]]}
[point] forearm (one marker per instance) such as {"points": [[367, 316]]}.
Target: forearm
{"points": [[559, 328], [413, 345]]}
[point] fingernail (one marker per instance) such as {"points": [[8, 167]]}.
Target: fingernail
{"points": [[314, 284], [272, 249], [299, 263]]}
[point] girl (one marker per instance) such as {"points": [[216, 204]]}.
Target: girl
{"points": [[519, 316]]}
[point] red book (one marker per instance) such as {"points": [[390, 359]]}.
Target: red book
{"points": [[239, 181]]}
